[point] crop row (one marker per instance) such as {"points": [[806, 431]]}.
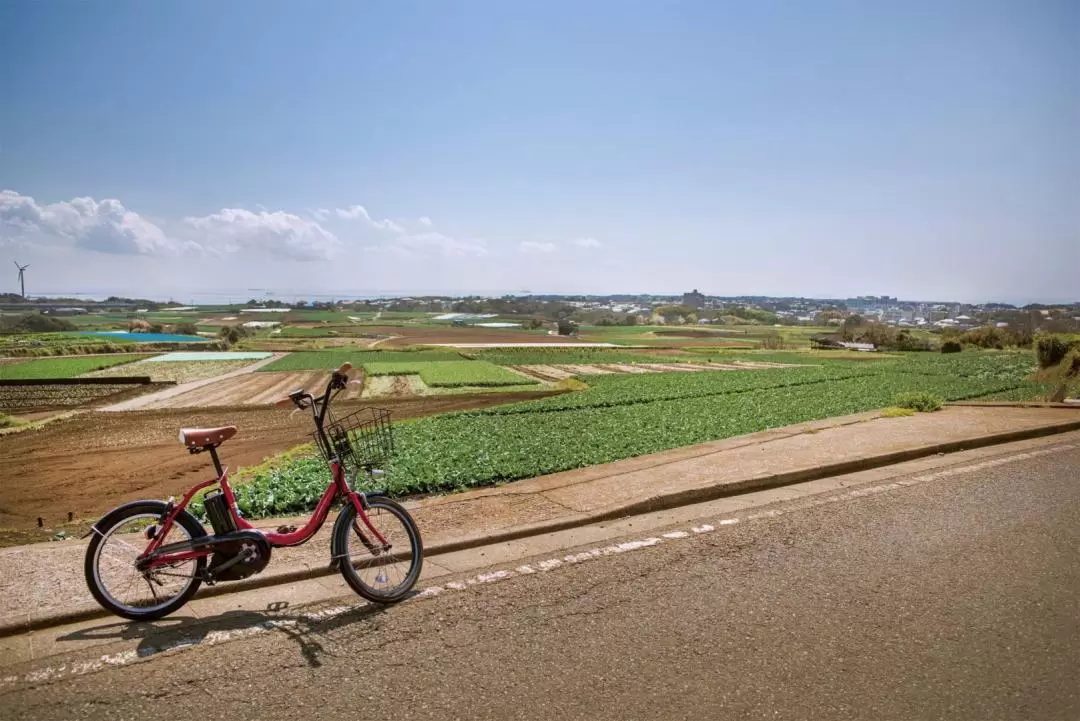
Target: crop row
{"points": [[619, 390], [999, 365], [451, 374], [586, 356], [62, 367], [330, 359], [16, 398]]}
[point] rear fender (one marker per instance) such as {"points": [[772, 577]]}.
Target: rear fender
{"points": [[103, 523]]}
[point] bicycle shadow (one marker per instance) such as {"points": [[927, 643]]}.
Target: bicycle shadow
{"points": [[156, 637]]}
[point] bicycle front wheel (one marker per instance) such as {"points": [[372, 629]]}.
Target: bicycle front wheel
{"points": [[383, 571]]}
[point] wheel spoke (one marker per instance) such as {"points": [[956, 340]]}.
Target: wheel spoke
{"points": [[387, 570], [119, 580]]}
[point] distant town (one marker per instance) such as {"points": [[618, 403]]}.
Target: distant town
{"points": [[692, 307]]}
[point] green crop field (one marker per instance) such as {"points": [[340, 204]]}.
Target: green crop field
{"points": [[700, 335], [623, 416], [14, 343], [330, 359], [65, 367], [323, 331], [587, 356], [451, 374]]}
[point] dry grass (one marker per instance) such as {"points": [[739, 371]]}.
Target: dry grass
{"points": [[178, 371]]}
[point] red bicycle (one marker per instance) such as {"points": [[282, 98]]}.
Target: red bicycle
{"points": [[148, 558]]}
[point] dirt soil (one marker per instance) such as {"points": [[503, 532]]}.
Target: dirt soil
{"points": [[94, 461]]}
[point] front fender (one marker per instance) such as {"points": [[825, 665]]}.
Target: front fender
{"points": [[335, 545]]}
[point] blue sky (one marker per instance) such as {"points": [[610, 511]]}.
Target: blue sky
{"points": [[920, 149]]}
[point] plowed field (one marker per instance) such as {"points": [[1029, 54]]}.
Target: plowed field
{"points": [[569, 370], [253, 389]]}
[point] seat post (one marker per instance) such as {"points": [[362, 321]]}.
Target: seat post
{"points": [[217, 461]]}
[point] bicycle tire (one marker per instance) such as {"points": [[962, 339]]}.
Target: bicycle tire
{"points": [[342, 542], [103, 529]]}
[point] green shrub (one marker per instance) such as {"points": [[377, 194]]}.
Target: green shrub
{"points": [[1050, 350], [772, 341], [990, 337], [185, 329], [34, 323], [919, 401], [951, 346]]}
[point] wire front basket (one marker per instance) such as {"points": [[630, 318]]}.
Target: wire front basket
{"points": [[362, 439]]}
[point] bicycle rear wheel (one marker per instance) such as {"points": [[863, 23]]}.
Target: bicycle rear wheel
{"points": [[383, 573], [111, 574]]}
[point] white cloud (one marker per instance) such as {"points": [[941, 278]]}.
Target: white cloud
{"points": [[531, 247], [104, 227], [321, 234], [412, 238], [359, 212], [279, 234], [422, 245]]}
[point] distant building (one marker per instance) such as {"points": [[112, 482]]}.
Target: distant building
{"points": [[694, 299]]}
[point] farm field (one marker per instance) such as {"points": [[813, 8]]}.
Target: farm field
{"points": [[450, 374], [63, 367], [403, 336], [22, 399], [330, 359], [31, 344], [95, 461], [252, 389], [622, 415], [177, 371], [713, 336], [584, 356], [559, 372], [404, 386]]}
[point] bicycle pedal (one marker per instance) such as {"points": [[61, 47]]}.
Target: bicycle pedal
{"points": [[286, 529]]}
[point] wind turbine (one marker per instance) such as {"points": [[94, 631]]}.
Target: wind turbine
{"points": [[22, 281]]}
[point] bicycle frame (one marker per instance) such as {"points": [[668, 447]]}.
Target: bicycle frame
{"points": [[338, 486]]}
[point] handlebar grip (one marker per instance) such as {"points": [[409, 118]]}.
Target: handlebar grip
{"points": [[345, 368]]}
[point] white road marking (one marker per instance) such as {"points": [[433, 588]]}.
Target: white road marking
{"points": [[212, 638]]}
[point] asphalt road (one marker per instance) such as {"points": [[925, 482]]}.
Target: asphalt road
{"points": [[953, 599]]}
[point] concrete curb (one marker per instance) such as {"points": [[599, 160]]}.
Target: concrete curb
{"points": [[656, 503]]}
